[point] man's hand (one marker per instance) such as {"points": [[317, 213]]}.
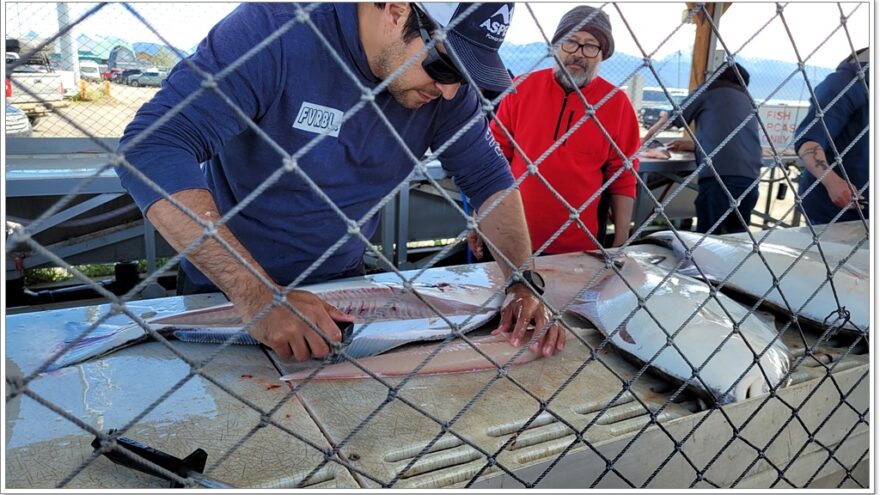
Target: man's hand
{"points": [[841, 191], [281, 329], [681, 145], [475, 244], [288, 335], [506, 227], [523, 307]]}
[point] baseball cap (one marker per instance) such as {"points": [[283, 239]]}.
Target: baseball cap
{"points": [[476, 38]]}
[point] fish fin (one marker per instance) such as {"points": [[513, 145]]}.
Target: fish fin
{"points": [[585, 307], [618, 258], [214, 336]]}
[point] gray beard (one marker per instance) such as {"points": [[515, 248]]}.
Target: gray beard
{"points": [[580, 80]]}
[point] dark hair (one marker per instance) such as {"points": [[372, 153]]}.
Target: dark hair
{"points": [[729, 76], [849, 58], [411, 27]]}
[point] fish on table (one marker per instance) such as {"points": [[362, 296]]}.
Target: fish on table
{"points": [[720, 323], [856, 254], [717, 256], [388, 316], [656, 154], [456, 356]]}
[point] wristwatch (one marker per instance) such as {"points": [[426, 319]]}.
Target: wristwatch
{"points": [[530, 278]]}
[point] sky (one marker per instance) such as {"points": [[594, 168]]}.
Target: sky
{"points": [[752, 29]]}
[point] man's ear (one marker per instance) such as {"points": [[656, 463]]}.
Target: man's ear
{"points": [[397, 13]]}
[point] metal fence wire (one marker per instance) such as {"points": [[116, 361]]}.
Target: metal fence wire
{"points": [[635, 428]]}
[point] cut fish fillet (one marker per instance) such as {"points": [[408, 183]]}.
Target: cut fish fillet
{"points": [[454, 357]]}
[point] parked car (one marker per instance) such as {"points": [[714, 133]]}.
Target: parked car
{"points": [[33, 87], [147, 79], [89, 70], [111, 74], [655, 101], [126, 74], [17, 123]]}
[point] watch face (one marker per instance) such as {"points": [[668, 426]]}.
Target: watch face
{"points": [[534, 279]]}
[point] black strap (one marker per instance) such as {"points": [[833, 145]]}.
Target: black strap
{"points": [[602, 213]]}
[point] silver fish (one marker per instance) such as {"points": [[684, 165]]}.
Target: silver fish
{"points": [[717, 256], [856, 258], [609, 303], [389, 316]]}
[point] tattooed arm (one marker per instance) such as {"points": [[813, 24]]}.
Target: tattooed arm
{"points": [[839, 190]]}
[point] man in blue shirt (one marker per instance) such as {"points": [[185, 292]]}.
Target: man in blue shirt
{"points": [[719, 113], [302, 115], [846, 120]]}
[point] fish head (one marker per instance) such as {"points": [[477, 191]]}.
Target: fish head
{"points": [[775, 363]]}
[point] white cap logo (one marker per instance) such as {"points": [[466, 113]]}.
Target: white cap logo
{"points": [[498, 29]]}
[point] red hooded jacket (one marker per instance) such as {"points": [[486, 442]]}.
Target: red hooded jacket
{"points": [[537, 115]]}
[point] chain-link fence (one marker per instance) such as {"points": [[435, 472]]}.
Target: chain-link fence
{"points": [[690, 359]]}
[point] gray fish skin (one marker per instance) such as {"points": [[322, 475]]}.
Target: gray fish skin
{"points": [[717, 256], [608, 303]]}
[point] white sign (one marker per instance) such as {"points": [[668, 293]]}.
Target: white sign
{"points": [[780, 122]]}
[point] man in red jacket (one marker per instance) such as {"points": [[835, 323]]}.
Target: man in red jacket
{"points": [[546, 117]]}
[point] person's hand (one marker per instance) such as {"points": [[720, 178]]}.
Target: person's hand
{"points": [[521, 308], [681, 145], [841, 191], [475, 244], [288, 335]]}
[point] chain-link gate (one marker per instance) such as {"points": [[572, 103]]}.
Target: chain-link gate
{"points": [[636, 399]]}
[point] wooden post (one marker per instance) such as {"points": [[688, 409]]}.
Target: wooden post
{"points": [[106, 88], [700, 59], [83, 86]]}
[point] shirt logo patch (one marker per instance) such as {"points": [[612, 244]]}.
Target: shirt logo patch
{"points": [[318, 119]]}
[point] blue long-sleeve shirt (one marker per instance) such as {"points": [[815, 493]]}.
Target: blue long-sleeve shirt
{"points": [[847, 121], [294, 89], [718, 111]]}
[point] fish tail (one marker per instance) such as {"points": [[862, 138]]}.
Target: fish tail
{"points": [[98, 342]]}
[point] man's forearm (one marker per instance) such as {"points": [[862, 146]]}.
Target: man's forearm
{"points": [[621, 213], [813, 157], [506, 230], [245, 289]]}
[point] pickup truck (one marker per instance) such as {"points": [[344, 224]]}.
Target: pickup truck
{"points": [[655, 101], [36, 89]]}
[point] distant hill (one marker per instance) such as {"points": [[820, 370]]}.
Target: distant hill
{"points": [[767, 76]]}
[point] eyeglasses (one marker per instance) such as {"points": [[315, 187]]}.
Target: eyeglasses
{"points": [[438, 65], [588, 49]]}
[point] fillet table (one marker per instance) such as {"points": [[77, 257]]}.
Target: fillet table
{"points": [[441, 430]]}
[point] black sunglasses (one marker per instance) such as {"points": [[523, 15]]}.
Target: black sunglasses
{"points": [[438, 65]]}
